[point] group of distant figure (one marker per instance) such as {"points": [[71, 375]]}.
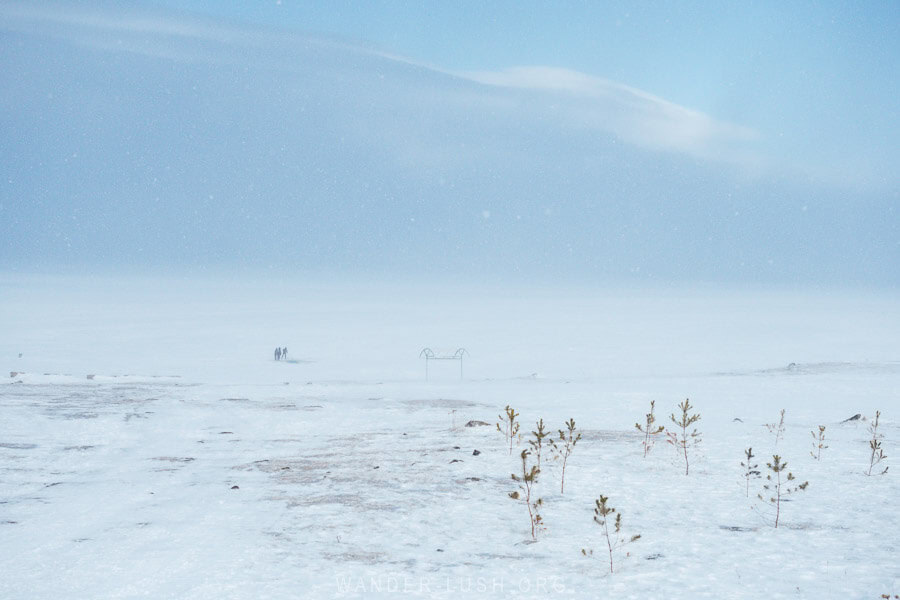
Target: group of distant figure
{"points": [[280, 353]]}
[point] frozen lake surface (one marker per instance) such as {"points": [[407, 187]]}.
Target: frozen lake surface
{"points": [[193, 465]]}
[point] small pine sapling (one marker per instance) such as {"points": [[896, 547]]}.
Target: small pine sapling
{"points": [[510, 427], [563, 448], [750, 469], [526, 482], [614, 539], [537, 444], [777, 488], [685, 440], [875, 445], [777, 429], [818, 443], [649, 429]]}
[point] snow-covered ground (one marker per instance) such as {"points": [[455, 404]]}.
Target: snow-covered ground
{"points": [[193, 465]]}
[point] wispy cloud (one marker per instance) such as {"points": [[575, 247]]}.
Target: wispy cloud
{"points": [[79, 21], [634, 115], [345, 155], [573, 99]]}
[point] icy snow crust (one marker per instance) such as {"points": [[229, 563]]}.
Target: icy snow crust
{"points": [[193, 465]]}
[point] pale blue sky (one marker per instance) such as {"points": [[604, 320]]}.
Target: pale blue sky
{"points": [[734, 142], [819, 81]]}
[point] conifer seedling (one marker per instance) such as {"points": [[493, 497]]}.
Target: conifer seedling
{"points": [[776, 489], [510, 427], [526, 482], [875, 445], [777, 429], [537, 443], [563, 448], [614, 539], [649, 429], [750, 469], [818, 443], [685, 440]]}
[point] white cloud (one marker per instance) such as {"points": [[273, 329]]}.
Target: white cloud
{"points": [[572, 98], [634, 115], [19, 16]]}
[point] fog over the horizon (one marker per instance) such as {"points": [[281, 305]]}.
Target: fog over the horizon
{"points": [[158, 141]]}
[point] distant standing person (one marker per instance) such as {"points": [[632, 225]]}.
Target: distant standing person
{"points": [[277, 353], [284, 353]]}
